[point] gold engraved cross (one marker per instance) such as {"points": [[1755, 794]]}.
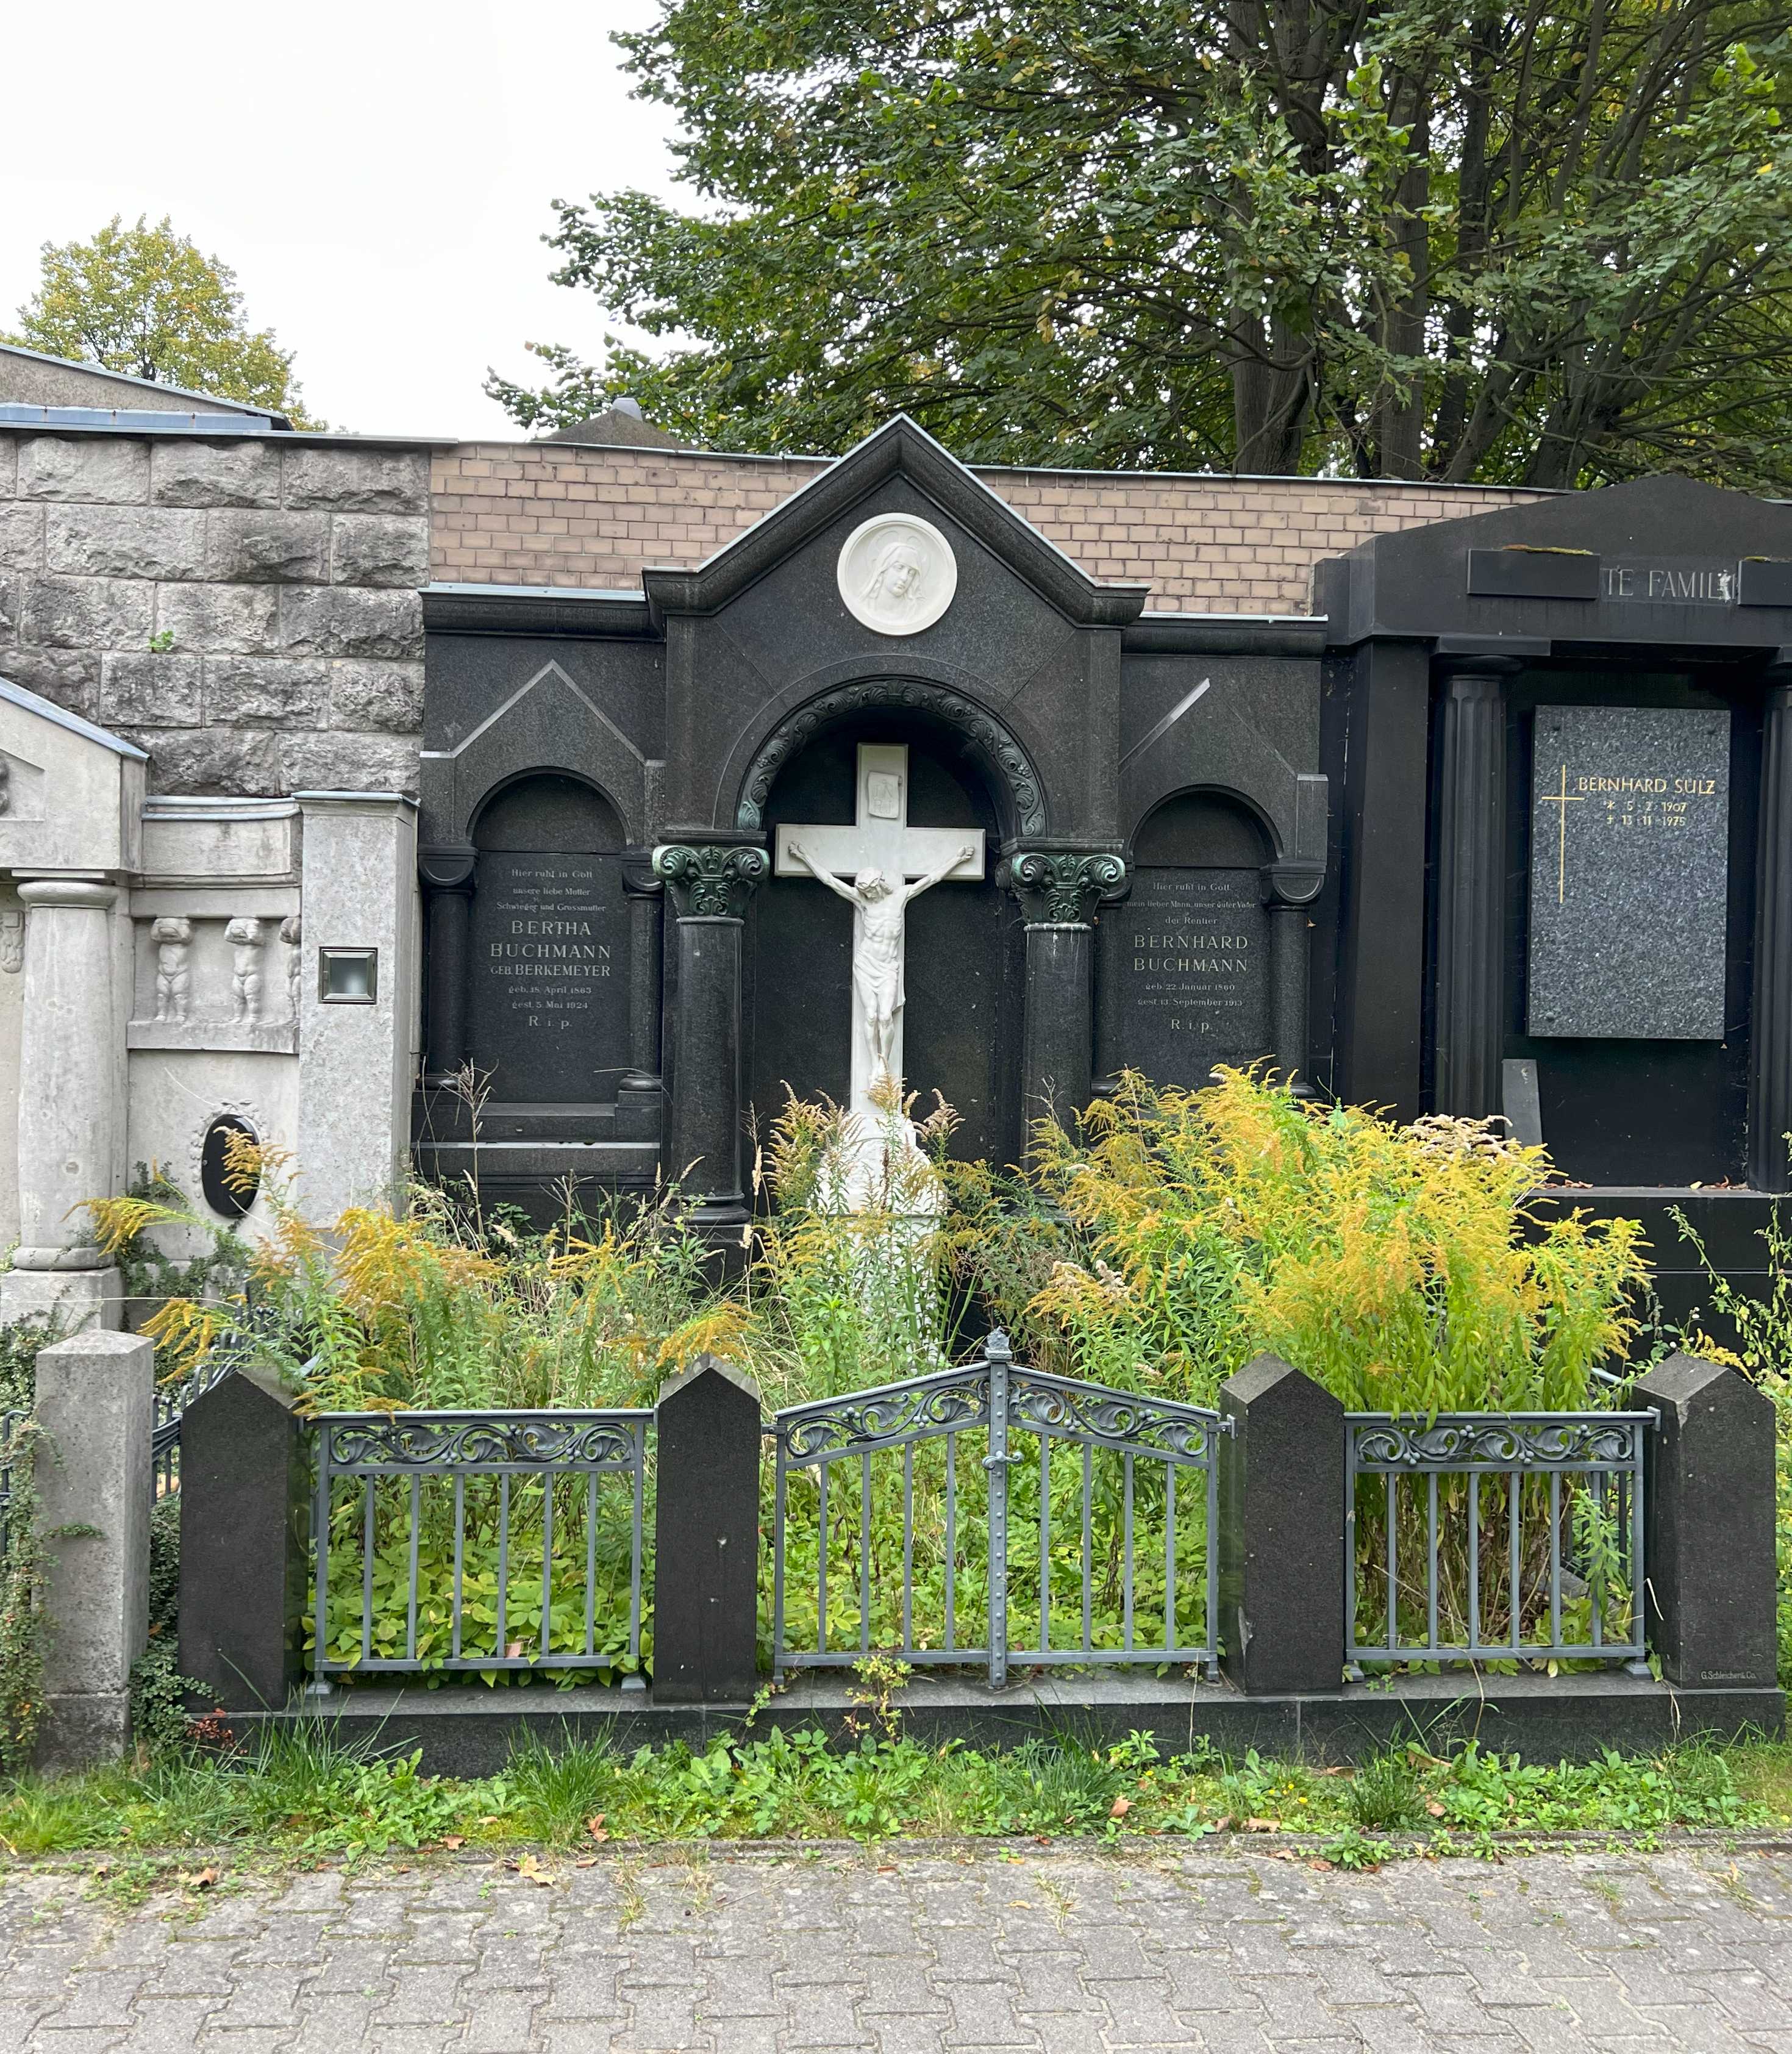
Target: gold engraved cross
{"points": [[1564, 799]]}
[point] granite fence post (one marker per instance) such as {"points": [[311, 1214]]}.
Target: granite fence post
{"points": [[245, 1524], [706, 1537], [1281, 1531], [94, 1401], [1708, 1524]]}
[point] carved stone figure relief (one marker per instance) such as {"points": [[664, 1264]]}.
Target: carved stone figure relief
{"points": [[12, 943], [245, 937], [292, 933], [174, 976], [897, 573]]}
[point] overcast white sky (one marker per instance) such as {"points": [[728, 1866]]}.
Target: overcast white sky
{"points": [[377, 174]]}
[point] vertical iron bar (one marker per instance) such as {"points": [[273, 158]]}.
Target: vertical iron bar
{"points": [[1514, 1513], [995, 1353], [1431, 1567], [1474, 1561], [1350, 1541], [1210, 1566], [1045, 1541], [503, 1565], [319, 1660], [1126, 1587], [1596, 1481], [590, 1563], [821, 1566], [640, 1480], [460, 1557], [1170, 1557], [546, 1554], [777, 1564], [1639, 1586], [908, 1545], [1088, 1552], [366, 1572], [1555, 1558], [951, 1536], [865, 1554], [1393, 1628], [410, 1604]]}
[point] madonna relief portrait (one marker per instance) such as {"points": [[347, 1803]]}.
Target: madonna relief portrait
{"points": [[897, 574]]}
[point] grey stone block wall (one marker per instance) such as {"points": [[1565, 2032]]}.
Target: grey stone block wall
{"points": [[286, 575]]}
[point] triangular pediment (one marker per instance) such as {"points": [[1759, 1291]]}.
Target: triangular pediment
{"points": [[899, 449], [71, 794]]}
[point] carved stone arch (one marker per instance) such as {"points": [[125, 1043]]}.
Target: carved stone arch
{"points": [[796, 718], [1253, 810]]}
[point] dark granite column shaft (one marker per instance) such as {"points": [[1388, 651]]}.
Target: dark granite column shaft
{"points": [[1289, 888], [1770, 1096], [1058, 889], [646, 894], [710, 887], [447, 875], [1471, 884]]}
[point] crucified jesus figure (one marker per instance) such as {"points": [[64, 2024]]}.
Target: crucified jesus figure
{"points": [[880, 909]]}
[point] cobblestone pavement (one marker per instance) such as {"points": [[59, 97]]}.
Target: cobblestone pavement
{"points": [[908, 1953]]}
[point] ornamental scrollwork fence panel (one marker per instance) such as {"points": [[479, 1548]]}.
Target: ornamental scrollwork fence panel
{"points": [[926, 1534], [478, 1542], [1475, 1537]]}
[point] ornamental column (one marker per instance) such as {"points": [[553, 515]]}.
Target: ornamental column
{"points": [[1289, 887], [711, 884], [1058, 890], [446, 870], [1769, 1084], [70, 1103], [637, 1098], [1470, 883]]}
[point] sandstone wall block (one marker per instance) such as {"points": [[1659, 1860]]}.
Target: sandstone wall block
{"points": [[10, 588], [125, 541], [67, 678], [230, 763], [21, 535], [243, 691], [386, 696], [89, 613], [190, 474], [150, 690], [380, 549], [340, 621], [347, 481], [248, 546], [9, 465], [102, 471], [334, 762], [239, 620]]}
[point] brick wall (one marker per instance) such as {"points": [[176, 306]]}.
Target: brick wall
{"points": [[554, 513], [280, 579]]}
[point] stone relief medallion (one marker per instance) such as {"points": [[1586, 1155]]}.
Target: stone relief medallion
{"points": [[897, 574]]}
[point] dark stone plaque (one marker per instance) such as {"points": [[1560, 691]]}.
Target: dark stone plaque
{"points": [[1194, 973], [548, 1003], [1629, 872]]}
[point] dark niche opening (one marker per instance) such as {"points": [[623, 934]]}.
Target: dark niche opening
{"points": [[1185, 957], [230, 1197], [964, 965], [547, 961]]}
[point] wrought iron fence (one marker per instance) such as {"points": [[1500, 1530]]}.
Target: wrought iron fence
{"points": [[478, 1542], [171, 1401], [1559, 1497], [1118, 1458], [13, 1449]]}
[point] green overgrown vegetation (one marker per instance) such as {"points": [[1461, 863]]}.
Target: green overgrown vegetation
{"points": [[302, 1792]]}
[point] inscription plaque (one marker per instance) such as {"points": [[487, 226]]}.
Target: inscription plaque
{"points": [[1194, 973], [549, 996], [1629, 873]]}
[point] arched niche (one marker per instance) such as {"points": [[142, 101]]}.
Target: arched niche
{"points": [[547, 963], [963, 966], [1187, 962]]}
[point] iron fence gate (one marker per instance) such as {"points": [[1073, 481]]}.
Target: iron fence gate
{"points": [[1124, 1463]]}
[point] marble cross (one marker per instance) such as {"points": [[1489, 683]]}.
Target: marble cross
{"points": [[889, 863]]}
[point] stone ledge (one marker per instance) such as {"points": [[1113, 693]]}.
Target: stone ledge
{"points": [[468, 1730], [279, 1037]]}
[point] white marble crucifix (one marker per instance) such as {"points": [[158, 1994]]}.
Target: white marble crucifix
{"points": [[889, 863]]}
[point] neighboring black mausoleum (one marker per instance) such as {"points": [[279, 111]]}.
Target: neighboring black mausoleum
{"points": [[1501, 828]]}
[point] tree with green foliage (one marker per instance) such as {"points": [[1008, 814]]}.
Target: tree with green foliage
{"points": [[151, 304], [1540, 242]]}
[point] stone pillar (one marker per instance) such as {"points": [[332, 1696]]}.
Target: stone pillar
{"points": [[447, 874], [1289, 888], [70, 1102], [707, 1428], [244, 1506], [1281, 1531], [1470, 883], [1770, 1094], [711, 883], [1708, 1524], [359, 890], [638, 1098], [1058, 890], [94, 1401]]}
